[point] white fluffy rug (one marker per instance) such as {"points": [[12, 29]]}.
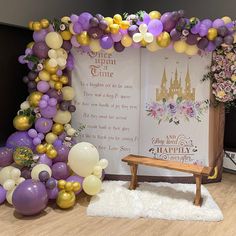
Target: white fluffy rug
{"points": [[153, 200]]}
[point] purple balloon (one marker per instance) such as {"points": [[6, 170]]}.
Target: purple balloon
{"points": [[44, 159], [136, 45], [6, 156], [116, 37], [57, 143], [62, 154], [74, 18], [203, 30], [48, 112], [132, 30], [3, 193], [76, 178], [43, 125], [202, 43], [43, 104], [36, 141], [40, 49], [119, 47], [85, 49], [43, 86], [25, 173], [95, 32], [175, 35], [192, 39], [167, 21], [207, 23], [106, 42], [52, 193], [84, 19], [30, 197], [222, 31], [60, 170], [229, 39], [51, 183], [146, 18], [54, 94], [39, 36], [210, 47], [217, 23], [20, 139], [67, 45], [155, 27], [62, 136], [218, 41], [77, 27]]}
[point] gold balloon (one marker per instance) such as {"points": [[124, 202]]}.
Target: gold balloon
{"points": [[83, 38], [58, 85], [44, 23], [36, 26], [44, 75], [64, 79], [22, 122], [61, 184], [114, 28], [66, 35], [30, 25], [55, 77], [69, 186], [124, 24], [126, 41], [226, 19], [212, 33], [34, 98], [109, 20], [30, 45], [143, 43], [163, 40], [50, 137], [76, 186], [23, 156], [49, 146], [155, 15], [50, 69], [117, 18], [52, 153], [65, 199], [57, 128], [40, 148]]}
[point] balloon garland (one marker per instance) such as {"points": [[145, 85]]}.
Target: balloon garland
{"points": [[41, 161]]}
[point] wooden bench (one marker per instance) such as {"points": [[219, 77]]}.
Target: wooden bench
{"points": [[196, 170]]}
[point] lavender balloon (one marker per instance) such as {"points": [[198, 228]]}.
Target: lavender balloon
{"points": [[155, 27], [30, 197], [116, 37], [203, 30], [207, 23], [132, 30], [62, 154], [43, 125], [217, 23], [19, 139], [3, 193], [6, 156], [52, 193], [44, 159], [195, 29], [77, 27], [76, 178], [40, 49], [60, 170], [106, 42], [54, 94], [210, 47], [43, 86], [48, 112], [39, 36], [84, 19]]}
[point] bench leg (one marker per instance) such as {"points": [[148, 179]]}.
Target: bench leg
{"points": [[198, 198], [134, 179]]}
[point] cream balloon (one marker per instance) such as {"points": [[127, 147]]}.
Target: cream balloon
{"points": [[148, 37], [54, 40], [68, 93], [5, 174], [61, 53], [20, 180], [38, 168], [9, 184], [97, 170], [51, 138], [94, 45], [9, 195], [52, 62], [71, 131], [153, 46], [103, 163], [137, 37], [61, 61], [15, 174], [62, 117], [92, 185], [82, 158], [52, 53], [24, 105]]}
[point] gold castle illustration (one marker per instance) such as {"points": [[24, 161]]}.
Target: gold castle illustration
{"points": [[175, 90]]}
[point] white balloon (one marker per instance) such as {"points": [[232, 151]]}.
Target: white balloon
{"points": [[9, 195], [38, 168], [52, 53], [148, 37], [24, 105], [5, 174], [54, 40], [52, 62], [143, 28], [137, 37], [103, 163], [82, 158], [61, 53], [9, 184], [15, 174], [97, 170]]}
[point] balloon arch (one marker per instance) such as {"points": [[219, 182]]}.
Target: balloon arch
{"points": [[41, 160]]}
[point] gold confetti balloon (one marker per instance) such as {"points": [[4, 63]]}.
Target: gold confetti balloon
{"points": [[22, 122], [23, 156], [66, 199]]}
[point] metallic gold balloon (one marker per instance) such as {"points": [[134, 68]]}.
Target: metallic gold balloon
{"points": [[65, 199], [34, 98], [109, 20], [52, 153], [143, 43], [40, 148], [83, 38], [64, 79], [114, 28], [23, 156], [76, 186], [30, 25], [212, 33], [155, 15], [44, 23], [49, 146], [50, 69], [22, 122], [37, 79], [55, 77], [69, 186], [61, 184], [58, 85], [163, 40], [44, 75], [117, 18], [66, 35], [30, 45], [36, 26], [124, 24], [57, 128]]}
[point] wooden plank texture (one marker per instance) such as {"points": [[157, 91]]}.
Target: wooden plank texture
{"points": [[172, 165]]}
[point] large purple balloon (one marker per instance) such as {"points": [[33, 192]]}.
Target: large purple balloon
{"points": [[60, 170], [44, 159], [95, 32], [155, 27], [116, 37], [43, 125], [76, 178], [84, 19], [106, 42], [40, 49], [3, 193], [6, 156], [30, 197], [62, 154], [167, 21], [207, 23], [39, 36], [48, 112], [217, 23], [20, 139], [202, 43]]}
